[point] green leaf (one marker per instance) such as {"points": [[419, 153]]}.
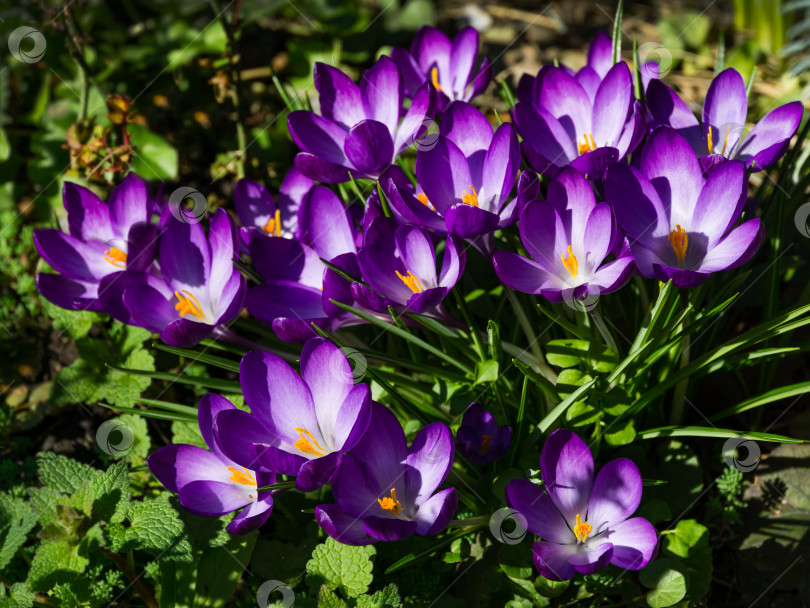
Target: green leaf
{"points": [[689, 541], [111, 493], [61, 473], [53, 563], [219, 570], [582, 413], [329, 599], [76, 323], [546, 423], [139, 433], [16, 521], [486, 371], [341, 566], [566, 353], [622, 435], [668, 584], [187, 432], [155, 158], [702, 431], [548, 588], [515, 561], [386, 598], [156, 527], [19, 596]]}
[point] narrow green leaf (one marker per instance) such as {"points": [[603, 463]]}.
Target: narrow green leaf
{"points": [[705, 431], [215, 383], [777, 394], [617, 32], [202, 357], [558, 411]]}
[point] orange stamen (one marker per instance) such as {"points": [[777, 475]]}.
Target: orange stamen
{"points": [[116, 257], [581, 530], [679, 241], [273, 225], [422, 198], [470, 199], [411, 281], [586, 144], [392, 505], [571, 264], [244, 478], [188, 304], [485, 447], [305, 443], [709, 142], [434, 76]]}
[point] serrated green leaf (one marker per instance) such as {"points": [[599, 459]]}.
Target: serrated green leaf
{"points": [[16, 521], [329, 599], [219, 571], [156, 527], [386, 598], [82, 499], [55, 563], [61, 473], [187, 432], [76, 323], [138, 433], [43, 501], [341, 567], [111, 493], [19, 596]]}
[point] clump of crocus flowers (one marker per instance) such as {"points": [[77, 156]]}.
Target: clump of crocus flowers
{"points": [[631, 186]]}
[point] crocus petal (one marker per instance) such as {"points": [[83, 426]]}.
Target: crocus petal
{"points": [[720, 202], [612, 275], [417, 253], [342, 527], [500, 167], [185, 256], [313, 474], [593, 164], [612, 104], [88, 215], [69, 293], [468, 221], [589, 80], [275, 459], [600, 54], [280, 259], [435, 513], [142, 241], [252, 517], [426, 301], [129, 204], [566, 464], [178, 464], [634, 542], [770, 137], [667, 108], [339, 97], [415, 123], [561, 95], [545, 134], [523, 274], [388, 529], [542, 517], [213, 498], [572, 196], [328, 375], [353, 417], [680, 277], [254, 204], [284, 299], [431, 47], [462, 59], [223, 250], [598, 235], [277, 396], [317, 169], [551, 560], [185, 333], [724, 109], [431, 455], [76, 259], [369, 147], [149, 307], [290, 195], [327, 224], [379, 267], [235, 432], [317, 135], [736, 248], [411, 209], [616, 494], [638, 208], [443, 172], [543, 234], [409, 71], [481, 80], [210, 406], [382, 95], [588, 562], [453, 262], [467, 127]]}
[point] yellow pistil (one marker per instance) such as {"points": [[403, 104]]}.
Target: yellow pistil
{"points": [[485, 439], [411, 282], [273, 225], [244, 478], [305, 443], [422, 198], [188, 304], [581, 530], [586, 144], [116, 257], [434, 76], [709, 142], [571, 264], [470, 199], [725, 141], [679, 241], [392, 505]]}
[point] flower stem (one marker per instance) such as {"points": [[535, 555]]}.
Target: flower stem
{"points": [[530, 336]]}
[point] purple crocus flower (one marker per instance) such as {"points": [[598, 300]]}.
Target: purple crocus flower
{"points": [[720, 136], [359, 129], [569, 237], [584, 523], [208, 482], [399, 263], [301, 425], [480, 438], [678, 222], [104, 239], [298, 285], [385, 491], [467, 174], [258, 212], [200, 288], [562, 125], [447, 65]]}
